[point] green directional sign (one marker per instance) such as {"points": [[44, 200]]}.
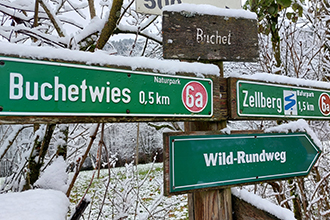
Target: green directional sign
{"points": [[259, 99], [205, 161], [38, 88]]}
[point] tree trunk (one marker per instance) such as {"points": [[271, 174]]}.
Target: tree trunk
{"points": [[62, 149], [37, 157], [276, 41], [111, 24]]}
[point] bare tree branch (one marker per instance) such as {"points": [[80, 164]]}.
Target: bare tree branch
{"points": [[54, 21], [91, 8], [92, 138], [12, 139], [119, 31], [36, 10]]}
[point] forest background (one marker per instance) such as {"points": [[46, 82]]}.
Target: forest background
{"points": [[293, 42]]}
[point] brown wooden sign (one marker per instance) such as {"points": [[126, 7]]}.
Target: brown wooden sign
{"points": [[209, 37]]}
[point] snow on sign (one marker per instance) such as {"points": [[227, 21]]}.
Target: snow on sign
{"points": [[200, 161], [260, 99], [155, 6], [194, 36], [39, 88]]}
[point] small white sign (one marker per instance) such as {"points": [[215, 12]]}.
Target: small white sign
{"points": [[155, 6], [290, 102]]}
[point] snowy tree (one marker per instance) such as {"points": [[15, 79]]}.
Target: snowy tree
{"points": [[78, 25], [293, 41]]}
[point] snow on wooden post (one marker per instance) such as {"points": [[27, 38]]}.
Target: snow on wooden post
{"points": [[207, 33], [192, 36]]}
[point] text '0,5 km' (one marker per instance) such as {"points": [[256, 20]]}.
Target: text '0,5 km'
{"points": [[46, 88], [259, 99]]}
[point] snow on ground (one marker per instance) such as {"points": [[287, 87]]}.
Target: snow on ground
{"points": [[54, 176], [36, 204], [122, 194], [102, 58], [263, 204]]}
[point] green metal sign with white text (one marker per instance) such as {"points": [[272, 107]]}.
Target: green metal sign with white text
{"points": [[39, 88], [204, 161], [259, 99]]}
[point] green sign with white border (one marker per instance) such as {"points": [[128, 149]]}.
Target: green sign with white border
{"points": [[261, 99], [206, 161], [40, 88]]}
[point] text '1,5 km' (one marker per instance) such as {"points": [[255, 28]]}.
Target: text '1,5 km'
{"points": [[260, 99], [38, 88]]}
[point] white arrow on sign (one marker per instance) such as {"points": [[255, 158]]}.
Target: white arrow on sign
{"points": [[155, 6]]}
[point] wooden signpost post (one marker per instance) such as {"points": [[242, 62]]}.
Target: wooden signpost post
{"points": [[209, 38]]}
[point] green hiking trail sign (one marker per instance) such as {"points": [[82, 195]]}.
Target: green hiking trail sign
{"points": [[267, 100], [206, 161], [40, 88]]}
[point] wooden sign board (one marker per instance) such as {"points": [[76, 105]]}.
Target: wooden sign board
{"points": [[208, 37]]}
